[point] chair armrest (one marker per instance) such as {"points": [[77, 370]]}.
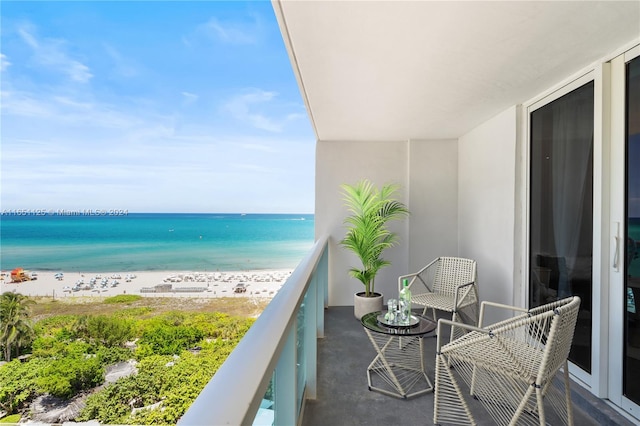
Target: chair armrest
{"points": [[402, 277], [458, 291], [465, 285], [414, 276], [499, 306], [445, 322]]}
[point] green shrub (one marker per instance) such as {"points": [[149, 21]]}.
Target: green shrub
{"points": [[71, 352], [71, 368], [50, 347], [169, 340], [109, 356], [43, 346], [111, 404], [18, 383], [123, 298], [136, 312], [55, 323], [109, 331], [14, 418], [67, 376]]}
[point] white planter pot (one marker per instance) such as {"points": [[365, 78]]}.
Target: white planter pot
{"points": [[363, 305]]}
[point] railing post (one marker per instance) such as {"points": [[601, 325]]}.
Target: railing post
{"points": [[311, 339], [285, 382], [321, 274]]}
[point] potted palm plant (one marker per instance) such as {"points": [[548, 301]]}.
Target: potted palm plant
{"points": [[370, 209]]}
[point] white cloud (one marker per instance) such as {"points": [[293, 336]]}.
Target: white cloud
{"points": [[27, 37], [20, 104], [230, 32], [65, 110], [296, 116], [241, 108], [189, 98], [4, 63], [77, 71], [258, 147], [256, 168], [245, 107], [123, 66], [51, 53], [67, 101]]}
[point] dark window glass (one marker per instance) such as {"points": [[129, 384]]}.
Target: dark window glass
{"points": [[561, 216], [631, 299]]}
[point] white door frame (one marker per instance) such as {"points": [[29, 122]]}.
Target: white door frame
{"points": [[589, 380], [609, 153], [617, 218]]}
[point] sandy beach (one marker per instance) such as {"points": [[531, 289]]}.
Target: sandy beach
{"points": [[261, 283]]}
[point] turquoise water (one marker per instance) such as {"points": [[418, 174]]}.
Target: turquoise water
{"points": [[146, 242]]}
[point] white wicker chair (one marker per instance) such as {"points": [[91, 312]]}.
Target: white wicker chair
{"points": [[449, 284], [509, 366]]}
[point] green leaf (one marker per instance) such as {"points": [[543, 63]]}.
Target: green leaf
{"points": [[367, 234]]}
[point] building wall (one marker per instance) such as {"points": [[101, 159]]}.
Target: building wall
{"points": [[348, 162], [486, 200], [433, 200], [427, 172], [461, 195]]}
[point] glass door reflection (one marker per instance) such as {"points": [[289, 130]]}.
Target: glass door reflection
{"points": [[632, 250]]}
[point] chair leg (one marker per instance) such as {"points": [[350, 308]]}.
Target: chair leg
{"points": [[540, 407], [454, 318], [449, 404], [522, 405], [567, 393]]}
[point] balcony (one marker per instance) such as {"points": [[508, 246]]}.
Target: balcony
{"points": [[343, 398], [303, 363]]}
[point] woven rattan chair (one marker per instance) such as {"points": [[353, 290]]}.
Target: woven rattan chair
{"points": [[448, 284], [509, 366]]}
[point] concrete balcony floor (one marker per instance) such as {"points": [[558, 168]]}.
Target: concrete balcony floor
{"points": [[344, 399]]}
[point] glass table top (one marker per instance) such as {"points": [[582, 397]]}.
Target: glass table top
{"points": [[374, 322]]}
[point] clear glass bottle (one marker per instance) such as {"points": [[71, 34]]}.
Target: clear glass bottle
{"points": [[390, 316], [405, 303]]}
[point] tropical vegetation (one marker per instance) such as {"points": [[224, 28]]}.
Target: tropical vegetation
{"points": [[370, 210], [16, 329], [174, 354]]}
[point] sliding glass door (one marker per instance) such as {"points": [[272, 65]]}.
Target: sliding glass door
{"points": [[631, 299], [561, 208]]}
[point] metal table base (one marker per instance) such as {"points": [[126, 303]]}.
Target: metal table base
{"points": [[398, 369]]}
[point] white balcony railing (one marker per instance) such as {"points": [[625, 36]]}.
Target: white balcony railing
{"points": [[273, 369]]}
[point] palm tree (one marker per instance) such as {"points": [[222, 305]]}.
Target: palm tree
{"points": [[367, 234], [16, 328]]}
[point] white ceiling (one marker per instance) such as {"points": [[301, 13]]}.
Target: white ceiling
{"points": [[397, 70]]}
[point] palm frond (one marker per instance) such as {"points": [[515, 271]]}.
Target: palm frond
{"points": [[367, 235]]}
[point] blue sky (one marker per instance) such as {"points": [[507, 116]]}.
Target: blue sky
{"points": [[151, 107]]}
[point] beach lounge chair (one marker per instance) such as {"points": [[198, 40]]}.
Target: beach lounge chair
{"points": [[509, 366]]}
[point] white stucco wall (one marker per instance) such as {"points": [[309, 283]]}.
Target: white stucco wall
{"points": [[433, 200], [348, 162], [487, 178], [427, 172]]}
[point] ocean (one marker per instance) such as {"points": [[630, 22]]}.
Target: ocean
{"points": [[154, 241]]}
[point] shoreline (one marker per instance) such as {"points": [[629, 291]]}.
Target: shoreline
{"points": [[258, 283]]}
